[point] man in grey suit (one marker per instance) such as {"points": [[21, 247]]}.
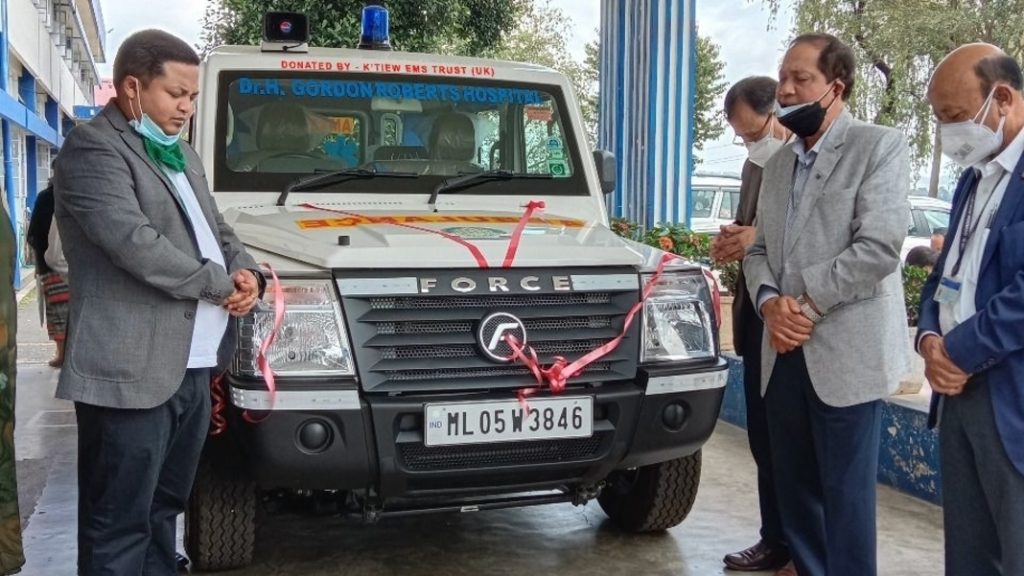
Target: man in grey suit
{"points": [[156, 273], [825, 273]]}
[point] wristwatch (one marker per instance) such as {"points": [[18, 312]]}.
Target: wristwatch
{"points": [[807, 310]]}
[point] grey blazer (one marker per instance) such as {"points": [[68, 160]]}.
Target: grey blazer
{"points": [[135, 270], [843, 250]]}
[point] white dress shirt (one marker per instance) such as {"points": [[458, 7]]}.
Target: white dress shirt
{"points": [[211, 319], [989, 195]]}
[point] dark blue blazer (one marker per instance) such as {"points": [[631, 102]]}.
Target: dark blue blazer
{"points": [[991, 343]]}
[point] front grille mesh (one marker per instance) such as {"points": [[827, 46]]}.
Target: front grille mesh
{"points": [[428, 342], [420, 458]]}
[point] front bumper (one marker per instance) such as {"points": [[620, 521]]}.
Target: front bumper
{"points": [[374, 442]]}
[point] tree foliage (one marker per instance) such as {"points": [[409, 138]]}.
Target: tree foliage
{"points": [[463, 27], [710, 123], [898, 43]]}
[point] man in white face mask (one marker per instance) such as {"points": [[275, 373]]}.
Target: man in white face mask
{"points": [[749, 108], [972, 309]]}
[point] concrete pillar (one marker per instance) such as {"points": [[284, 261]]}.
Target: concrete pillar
{"points": [[648, 75]]}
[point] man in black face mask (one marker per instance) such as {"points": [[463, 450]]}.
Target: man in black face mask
{"points": [[824, 271]]}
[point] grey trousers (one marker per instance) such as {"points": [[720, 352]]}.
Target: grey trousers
{"points": [[982, 492]]}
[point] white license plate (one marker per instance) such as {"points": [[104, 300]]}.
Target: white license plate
{"points": [[507, 421]]}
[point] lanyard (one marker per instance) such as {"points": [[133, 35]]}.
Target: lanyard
{"points": [[970, 225]]}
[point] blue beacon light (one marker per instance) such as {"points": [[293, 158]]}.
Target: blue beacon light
{"points": [[375, 28]]}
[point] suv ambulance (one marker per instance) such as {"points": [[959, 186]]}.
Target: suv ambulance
{"points": [[456, 328]]}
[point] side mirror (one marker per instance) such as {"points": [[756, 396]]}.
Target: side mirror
{"points": [[606, 170]]}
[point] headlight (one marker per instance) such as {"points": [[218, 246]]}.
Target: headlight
{"points": [[678, 323], [312, 340]]}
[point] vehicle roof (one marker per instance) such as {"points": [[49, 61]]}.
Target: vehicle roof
{"points": [[928, 202], [272, 60], [717, 180]]}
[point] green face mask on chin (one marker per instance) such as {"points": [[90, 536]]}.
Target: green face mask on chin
{"points": [[161, 147]]}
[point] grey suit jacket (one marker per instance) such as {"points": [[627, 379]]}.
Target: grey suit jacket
{"points": [[135, 270], [843, 250]]}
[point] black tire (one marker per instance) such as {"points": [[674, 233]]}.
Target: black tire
{"points": [[220, 521], [651, 498]]}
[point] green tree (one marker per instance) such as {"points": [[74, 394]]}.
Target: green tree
{"points": [[898, 43], [464, 27], [709, 121], [539, 38]]}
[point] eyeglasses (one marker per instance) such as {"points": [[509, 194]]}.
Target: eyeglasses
{"points": [[740, 140]]}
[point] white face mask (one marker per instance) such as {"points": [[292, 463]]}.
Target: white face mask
{"points": [[759, 152], [969, 142]]}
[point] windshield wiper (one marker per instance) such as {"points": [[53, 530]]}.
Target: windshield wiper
{"points": [[322, 180], [452, 185]]}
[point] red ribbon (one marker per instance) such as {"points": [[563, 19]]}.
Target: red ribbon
{"points": [[219, 403], [477, 254], [517, 234], [557, 375], [261, 358]]}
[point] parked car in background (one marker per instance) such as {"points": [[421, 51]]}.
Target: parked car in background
{"points": [[927, 216], [716, 198]]}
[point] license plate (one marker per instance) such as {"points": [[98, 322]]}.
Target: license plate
{"points": [[507, 421]]}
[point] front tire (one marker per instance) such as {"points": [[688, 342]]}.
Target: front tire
{"points": [[220, 520], [652, 498]]}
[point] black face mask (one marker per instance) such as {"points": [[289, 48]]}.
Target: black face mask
{"points": [[804, 120]]}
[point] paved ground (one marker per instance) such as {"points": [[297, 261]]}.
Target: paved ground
{"points": [[557, 539]]}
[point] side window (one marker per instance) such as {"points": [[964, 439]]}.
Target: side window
{"points": [[912, 224], [730, 203], [545, 142], [936, 220], [703, 201]]}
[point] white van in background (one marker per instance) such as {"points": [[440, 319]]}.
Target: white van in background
{"points": [[716, 199]]}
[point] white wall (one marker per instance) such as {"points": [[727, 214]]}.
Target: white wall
{"points": [[32, 45]]}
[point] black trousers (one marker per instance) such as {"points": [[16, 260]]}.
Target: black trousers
{"points": [[826, 466], [135, 473], [757, 433]]}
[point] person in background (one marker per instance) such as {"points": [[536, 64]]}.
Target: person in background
{"points": [[825, 273], [922, 257], [972, 308], [749, 109], [52, 284], [938, 239]]}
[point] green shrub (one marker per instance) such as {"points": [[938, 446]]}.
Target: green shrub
{"points": [[678, 239], [914, 278]]}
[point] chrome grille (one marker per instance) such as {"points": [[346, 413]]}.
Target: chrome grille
{"points": [[427, 342]]}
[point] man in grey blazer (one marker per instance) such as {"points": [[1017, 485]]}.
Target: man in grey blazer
{"points": [[156, 273], [824, 270]]}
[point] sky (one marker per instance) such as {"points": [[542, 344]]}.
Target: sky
{"points": [[740, 27]]}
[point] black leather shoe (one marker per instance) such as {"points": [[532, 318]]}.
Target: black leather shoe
{"points": [[182, 562], [760, 556]]}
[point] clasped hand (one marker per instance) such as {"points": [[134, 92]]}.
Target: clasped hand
{"points": [[247, 291], [788, 328], [732, 242], [944, 376]]}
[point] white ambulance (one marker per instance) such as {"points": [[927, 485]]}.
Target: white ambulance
{"points": [[461, 329]]}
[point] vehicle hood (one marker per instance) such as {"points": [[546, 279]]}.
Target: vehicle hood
{"points": [[332, 237]]}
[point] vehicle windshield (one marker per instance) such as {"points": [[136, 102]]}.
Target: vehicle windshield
{"points": [[273, 127]]}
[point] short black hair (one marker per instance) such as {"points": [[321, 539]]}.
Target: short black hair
{"points": [[758, 92], [144, 53], [998, 68], [941, 231], [836, 60], [923, 257]]}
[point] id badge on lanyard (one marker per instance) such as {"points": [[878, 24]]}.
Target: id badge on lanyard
{"points": [[948, 291]]}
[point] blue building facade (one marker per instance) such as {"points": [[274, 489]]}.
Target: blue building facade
{"points": [[648, 88], [48, 55]]}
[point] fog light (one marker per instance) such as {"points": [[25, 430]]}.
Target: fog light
{"points": [[314, 436], [674, 416]]}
